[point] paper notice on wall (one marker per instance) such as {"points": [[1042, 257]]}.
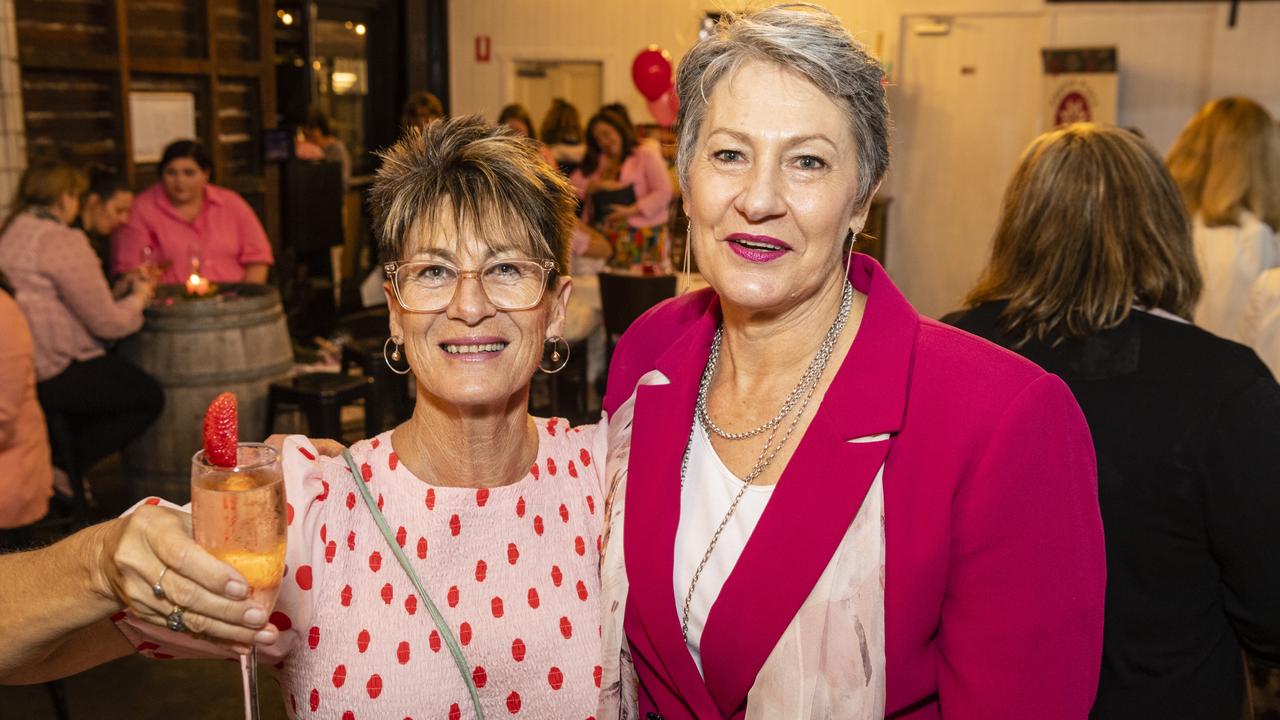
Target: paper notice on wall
{"points": [[157, 119], [1080, 85]]}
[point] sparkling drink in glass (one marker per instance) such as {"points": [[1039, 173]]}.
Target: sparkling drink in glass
{"points": [[238, 515]]}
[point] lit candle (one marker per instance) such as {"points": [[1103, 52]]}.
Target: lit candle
{"points": [[197, 285]]}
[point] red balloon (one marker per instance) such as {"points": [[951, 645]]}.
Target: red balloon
{"points": [[665, 107], [651, 72]]}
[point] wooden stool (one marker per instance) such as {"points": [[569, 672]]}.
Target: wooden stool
{"points": [[321, 396]]}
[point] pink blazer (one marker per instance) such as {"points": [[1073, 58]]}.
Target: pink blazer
{"points": [[994, 564]]}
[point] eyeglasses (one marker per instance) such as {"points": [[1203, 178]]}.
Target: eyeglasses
{"points": [[429, 285]]}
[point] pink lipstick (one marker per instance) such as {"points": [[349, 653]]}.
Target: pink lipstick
{"points": [[757, 248]]}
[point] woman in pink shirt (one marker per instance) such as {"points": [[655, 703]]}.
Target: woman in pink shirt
{"points": [[626, 190], [191, 225]]}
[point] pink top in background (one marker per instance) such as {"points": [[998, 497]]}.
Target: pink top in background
{"points": [[513, 570], [60, 286], [644, 169], [226, 236]]}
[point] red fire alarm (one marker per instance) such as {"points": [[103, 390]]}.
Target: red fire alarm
{"points": [[482, 48]]}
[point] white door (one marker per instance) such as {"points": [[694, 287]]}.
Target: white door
{"points": [[965, 105], [538, 82]]}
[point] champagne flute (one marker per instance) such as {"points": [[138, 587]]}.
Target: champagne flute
{"points": [[238, 515]]}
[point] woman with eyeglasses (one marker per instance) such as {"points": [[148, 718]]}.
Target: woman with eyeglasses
{"points": [[496, 512]]}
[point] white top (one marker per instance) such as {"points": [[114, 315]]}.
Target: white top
{"points": [[1231, 257], [1262, 320], [708, 491]]}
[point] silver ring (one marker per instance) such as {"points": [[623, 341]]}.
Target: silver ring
{"points": [[155, 587], [174, 619]]}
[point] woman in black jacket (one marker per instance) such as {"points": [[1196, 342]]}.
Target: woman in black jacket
{"points": [[1092, 276]]}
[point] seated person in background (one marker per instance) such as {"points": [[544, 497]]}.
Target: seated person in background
{"points": [[71, 312], [193, 225], [419, 110], [1226, 162], [561, 132], [516, 117], [1184, 423], [26, 478], [318, 132], [103, 209]]}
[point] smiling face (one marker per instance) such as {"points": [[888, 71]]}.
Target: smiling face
{"points": [[608, 138], [471, 354], [772, 190], [184, 181]]}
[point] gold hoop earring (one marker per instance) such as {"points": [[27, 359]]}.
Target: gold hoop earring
{"points": [[395, 356], [558, 359]]}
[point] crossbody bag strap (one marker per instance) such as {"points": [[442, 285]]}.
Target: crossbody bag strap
{"points": [[455, 650]]}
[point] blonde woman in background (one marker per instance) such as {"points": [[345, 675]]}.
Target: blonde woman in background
{"points": [[1226, 163]]}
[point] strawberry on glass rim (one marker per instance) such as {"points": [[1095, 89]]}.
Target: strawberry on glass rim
{"points": [[221, 431]]}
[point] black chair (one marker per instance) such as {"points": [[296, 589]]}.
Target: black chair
{"points": [[389, 393], [570, 384], [625, 297], [321, 397]]}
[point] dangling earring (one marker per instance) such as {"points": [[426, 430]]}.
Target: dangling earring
{"points": [[558, 359], [395, 357], [848, 251], [688, 255]]}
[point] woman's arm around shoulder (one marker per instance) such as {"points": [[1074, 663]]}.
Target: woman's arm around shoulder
{"points": [[1021, 627]]}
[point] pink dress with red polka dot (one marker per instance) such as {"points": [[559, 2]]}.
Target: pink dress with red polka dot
{"points": [[512, 569]]}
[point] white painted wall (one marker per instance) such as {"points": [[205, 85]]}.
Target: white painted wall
{"points": [[1173, 57]]}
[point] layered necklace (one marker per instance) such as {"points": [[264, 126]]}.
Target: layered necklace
{"points": [[793, 407]]}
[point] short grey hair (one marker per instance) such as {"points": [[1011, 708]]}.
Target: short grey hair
{"points": [[804, 39], [494, 181]]}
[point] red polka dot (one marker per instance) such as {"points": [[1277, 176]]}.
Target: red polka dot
{"points": [[402, 652], [551, 466], [556, 576], [339, 675], [434, 641], [303, 576], [455, 712], [288, 513], [351, 500], [564, 512], [379, 501], [551, 426], [513, 702], [324, 532], [431, 498], [534, 471], [388, 593], [580, 545], [555, 678], [585, 457], [374, 686], [375, 560], [306, 453], [537, 524], [366, 472], [346, 596], [597, 673], [422, 548], [495, 606], [533, 598], [330, 551], [591, 504], [348, 715], [315, 699], [573, 470], [281, 621], [520, 507], [401, 535], [464, 633], [351, 540], [482, 497], [479, 676], [324, 495], [145, 646], [393, 460], [452, 596], [582, 591], [374, 443], [411, 604], [517, 650], [455, 525], [362, 641], [152, 501], [513, 553], [482, 569], [313, 637], [566, 628]]}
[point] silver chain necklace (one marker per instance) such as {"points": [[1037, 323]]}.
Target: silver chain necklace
{"points": [[797, 401]]}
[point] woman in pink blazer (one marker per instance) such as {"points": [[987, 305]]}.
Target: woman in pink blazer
{"points": [[820, 504]]}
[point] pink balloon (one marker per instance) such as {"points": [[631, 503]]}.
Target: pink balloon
{"points": [[664, 108], [651, 72]]}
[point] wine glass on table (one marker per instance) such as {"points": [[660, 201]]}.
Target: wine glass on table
{"points": [[238, 515]]}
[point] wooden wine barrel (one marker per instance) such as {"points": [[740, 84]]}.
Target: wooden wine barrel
{"points": [[197, 348]]}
